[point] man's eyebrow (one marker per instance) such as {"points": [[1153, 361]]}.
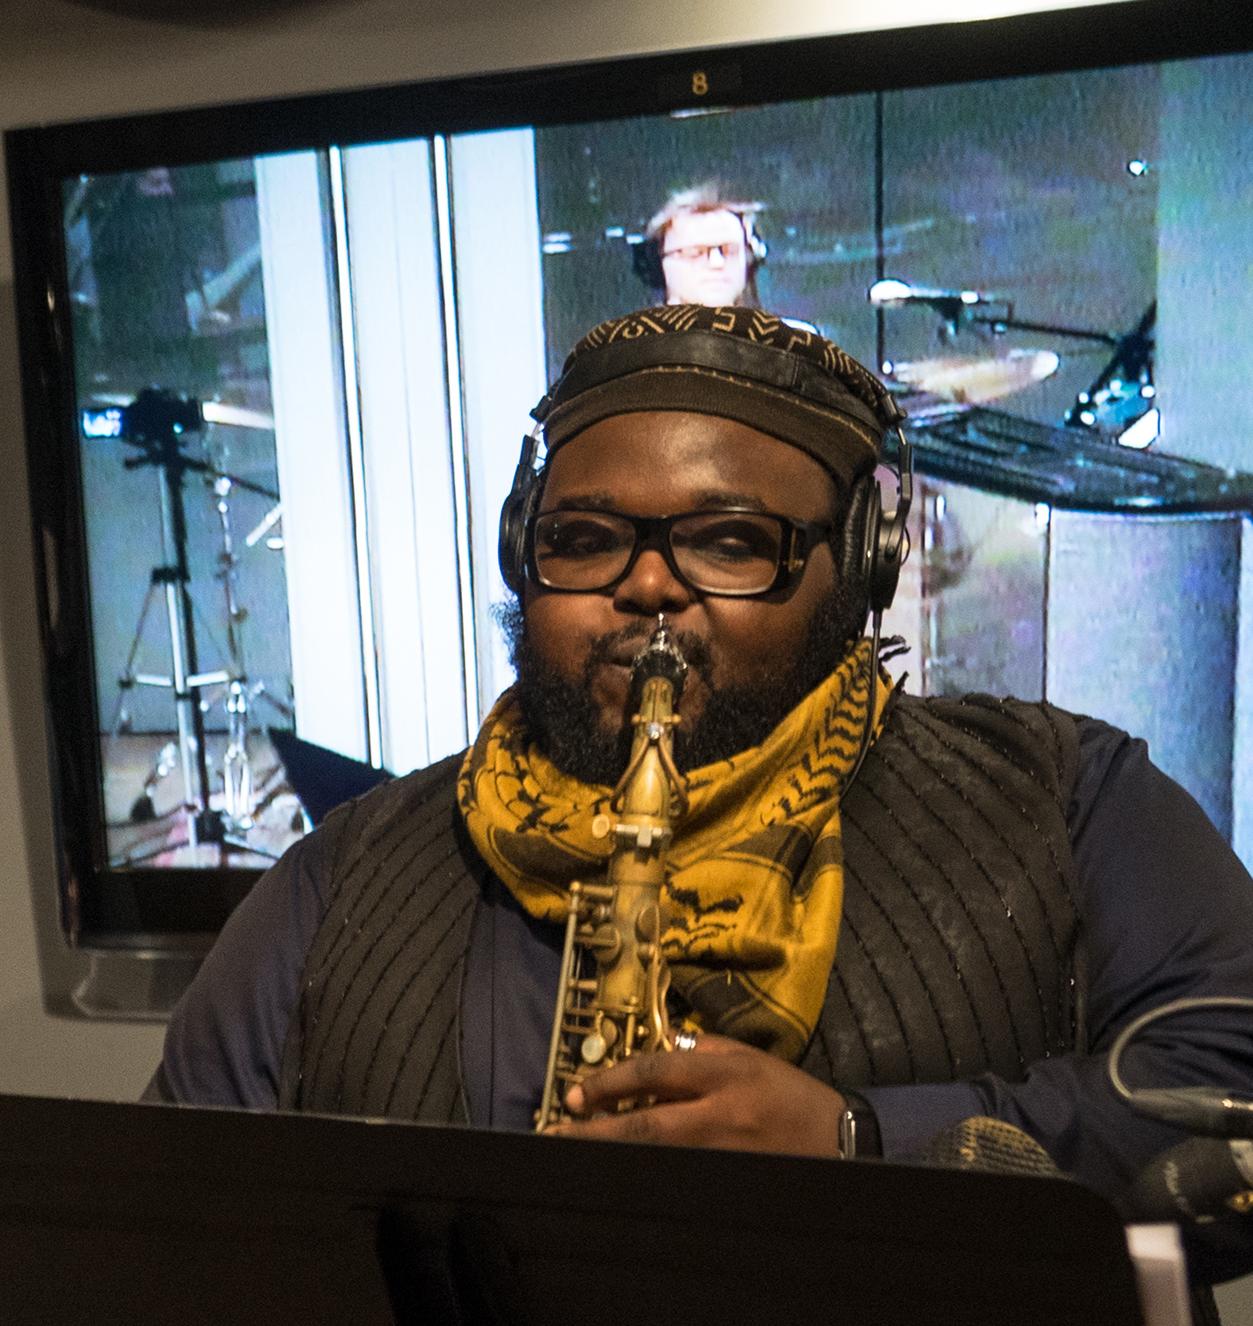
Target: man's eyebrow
{"points": [[722, 497], [598, 500], [714, 499]]}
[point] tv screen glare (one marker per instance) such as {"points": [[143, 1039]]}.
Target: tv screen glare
{"points": [[278, 363]]}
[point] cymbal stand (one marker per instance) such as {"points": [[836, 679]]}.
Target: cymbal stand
{"points": [[237, 772]]}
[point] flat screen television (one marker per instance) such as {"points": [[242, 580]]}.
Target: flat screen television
{"points": [[278, 357]]}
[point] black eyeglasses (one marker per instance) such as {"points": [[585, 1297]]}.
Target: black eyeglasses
{"points": [[731, 552]]}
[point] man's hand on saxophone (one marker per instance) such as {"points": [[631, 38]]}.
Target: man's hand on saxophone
{"points": [[723, 1094]]}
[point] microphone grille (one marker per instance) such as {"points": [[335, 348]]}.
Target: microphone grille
{"points": [[990, 1146]]}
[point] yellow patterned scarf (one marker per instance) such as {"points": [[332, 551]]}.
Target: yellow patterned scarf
{"points": [[756, 873]]}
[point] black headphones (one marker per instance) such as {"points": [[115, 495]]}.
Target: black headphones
{"points": [[874, 543], [646, 253]]}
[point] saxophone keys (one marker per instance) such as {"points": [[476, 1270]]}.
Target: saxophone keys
{"points": [[644, 837], [607, 943], [593, 1049], [648, 923], [597, 1044]]}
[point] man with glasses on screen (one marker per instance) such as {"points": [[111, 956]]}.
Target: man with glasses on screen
{"points": [[1009, 884], [702, 247]]}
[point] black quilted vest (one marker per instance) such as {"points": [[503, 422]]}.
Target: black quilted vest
{"points": [[957, 955]]}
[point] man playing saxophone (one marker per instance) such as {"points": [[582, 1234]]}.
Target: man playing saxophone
{"points": [[880, 915]]}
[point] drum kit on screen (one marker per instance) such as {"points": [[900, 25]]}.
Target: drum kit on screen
{"points": [[1086, 449], [945, 384]]}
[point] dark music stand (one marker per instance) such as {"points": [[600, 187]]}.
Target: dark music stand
{"points": [[150, 1213]]}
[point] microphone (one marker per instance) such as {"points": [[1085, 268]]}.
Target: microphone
{"points": [[892, 290], [1198, 1180], [990, 1146]]}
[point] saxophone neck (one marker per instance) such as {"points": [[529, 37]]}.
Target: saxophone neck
{"points": [[651, 782]]}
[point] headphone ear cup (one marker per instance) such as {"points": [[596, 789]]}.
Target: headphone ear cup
{"points": [[874, 547], [510, 549], [515, 516], [756, 246], [885, 565], [887, 556], [861, 532], [646, 263]]}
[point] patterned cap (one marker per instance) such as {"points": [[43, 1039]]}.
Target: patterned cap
{"points": [[738, 363]]}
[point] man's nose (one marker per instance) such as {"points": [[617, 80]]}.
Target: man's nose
{"points": [[715, 257], [651, 587]]}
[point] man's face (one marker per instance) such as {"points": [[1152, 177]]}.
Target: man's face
{"points": [[704, 258], [759, 653]]}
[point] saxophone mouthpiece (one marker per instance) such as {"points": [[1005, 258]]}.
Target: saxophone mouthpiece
{"points": [[660, 657]]}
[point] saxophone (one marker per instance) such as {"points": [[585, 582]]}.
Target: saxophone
{"points": [[611, 995]]}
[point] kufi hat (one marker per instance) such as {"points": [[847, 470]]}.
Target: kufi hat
{"points": [[738, 363]]}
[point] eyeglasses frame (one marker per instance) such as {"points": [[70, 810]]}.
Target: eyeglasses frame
{"points": [[702, 252], [801, 537]]}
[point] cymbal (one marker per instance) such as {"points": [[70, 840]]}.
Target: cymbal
{"points": [[976, 379]]}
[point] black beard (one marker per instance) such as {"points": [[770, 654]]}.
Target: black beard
{"points": [[565, 722]]}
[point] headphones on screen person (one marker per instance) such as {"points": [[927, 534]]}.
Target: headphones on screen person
{"points": [[873, 545]]}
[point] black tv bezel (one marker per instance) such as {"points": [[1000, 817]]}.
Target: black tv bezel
{"points": [[182, 909]]}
